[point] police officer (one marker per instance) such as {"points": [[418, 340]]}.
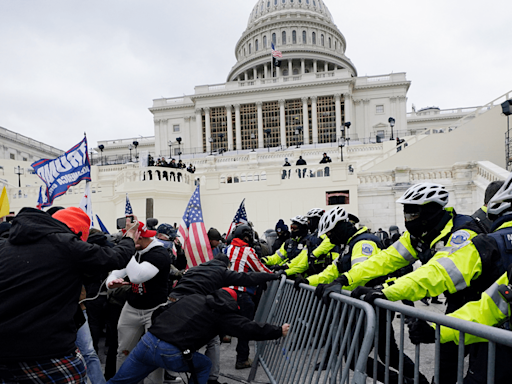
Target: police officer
{"points": [[291, 248], [320, 251], [442, 240], [358, 245], [493, 308]]}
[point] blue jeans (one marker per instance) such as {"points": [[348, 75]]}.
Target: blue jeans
{"points": [[152, 353], [92, 362]]}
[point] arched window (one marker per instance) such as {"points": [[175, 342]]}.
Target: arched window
{"points": [[244, 52], [283, 38], [275, 2], [313, 38], [321, 41], [264, 42], [294, 37], [307, 1], [256, 45], [335, 45], [330, 42], [274, 38], [304, 41], [268, 4], [261, 9], [284, 1], [249, 48]]}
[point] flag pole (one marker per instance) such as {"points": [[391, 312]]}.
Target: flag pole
{"points": [[271, 62]]}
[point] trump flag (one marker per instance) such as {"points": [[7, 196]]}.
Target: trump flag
{"points": [[64, 171]]}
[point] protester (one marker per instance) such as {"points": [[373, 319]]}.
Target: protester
{"points": [[40, 283], [216, 241], [243, 258], [148, 271], [182, 327]]}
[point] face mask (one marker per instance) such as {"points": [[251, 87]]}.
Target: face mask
{"points": [[167, 244], [342, 232]]}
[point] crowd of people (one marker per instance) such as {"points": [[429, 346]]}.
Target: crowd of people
{"points": [[63, 283], [162, 162]]}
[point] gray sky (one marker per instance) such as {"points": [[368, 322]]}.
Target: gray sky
{"points": [[72, 66]]}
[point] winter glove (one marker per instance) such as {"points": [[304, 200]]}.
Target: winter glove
{"points": [[323, 291], [279, 273], [298, 280], [273, 276], [421, 332], [281, 267], [368, 294], [343, 280]]}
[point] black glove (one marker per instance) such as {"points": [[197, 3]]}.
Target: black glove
{"points": [[279, 273], [298, 280], [368, 294], [343, 280], [360, 291], [281, 267], [421, 332], [322, 291], [273, 276]]}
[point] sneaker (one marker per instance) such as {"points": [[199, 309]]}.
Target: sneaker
{"points": [[170, 379], [243, 364], [226, 339], [425, 301]]}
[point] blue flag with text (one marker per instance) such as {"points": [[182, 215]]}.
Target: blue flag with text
{"points": [[63, 172]]}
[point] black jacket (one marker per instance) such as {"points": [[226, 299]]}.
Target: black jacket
{"points": [[196, 319], [40, 282], [214, 274]]}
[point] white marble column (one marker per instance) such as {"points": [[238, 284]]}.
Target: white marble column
{"points": [[402, 113], [337, 99], [282, 123], [366, 108], [278, 71], [290, 68], [315, 64], [199, 128], [266, 71], [260, 124], [314, 119], [347, 104], [254, 73], [305, 119], [238, 129], [358, 119], [229, 118], [302, 66], [326, 66], [207, 129]]}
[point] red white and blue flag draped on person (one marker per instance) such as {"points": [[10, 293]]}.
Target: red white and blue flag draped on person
{"points": [[193, 233]]}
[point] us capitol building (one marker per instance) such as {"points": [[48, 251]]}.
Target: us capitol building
{"points": [[238, 134]]}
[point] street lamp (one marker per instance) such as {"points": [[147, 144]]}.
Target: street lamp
{"points": [[169, 143], [506, 108], [253, 136], [130, 147], [101, 147], [268, 131], [178, 139], [136, 144], [342, 144], [210, 140], [19, 171], [391, 122]]}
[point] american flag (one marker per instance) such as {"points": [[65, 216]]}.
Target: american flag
{"points": [[240, 217], [128, 207], [193, 233], [275, 53], [86, 203]]}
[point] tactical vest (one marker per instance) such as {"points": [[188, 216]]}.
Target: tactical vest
{"points": [[293, 248], [317, 264], [344, 262]]}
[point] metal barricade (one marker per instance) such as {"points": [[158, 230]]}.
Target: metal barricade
{"points": [[386, 314], [337, 337]]}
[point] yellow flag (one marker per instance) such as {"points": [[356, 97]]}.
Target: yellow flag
{"points": [[4, 203]]}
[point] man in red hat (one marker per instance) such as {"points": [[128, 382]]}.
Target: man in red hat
{"points": [[148, 271]]}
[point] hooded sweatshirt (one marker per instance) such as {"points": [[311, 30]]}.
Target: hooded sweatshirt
{"points": [[40, 283]]}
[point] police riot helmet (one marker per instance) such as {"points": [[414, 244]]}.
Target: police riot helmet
{"points": [[501, 202], [424, 193], [243, 232], [330, 219]]}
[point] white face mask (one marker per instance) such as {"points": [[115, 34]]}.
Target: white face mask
{"points": [[166, 243]]}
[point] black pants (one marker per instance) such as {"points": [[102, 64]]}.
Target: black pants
{"points": [[247, 310], [97, 314], [477, 371]]}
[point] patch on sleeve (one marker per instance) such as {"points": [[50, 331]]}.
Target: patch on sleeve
{"points": [[367, 249], [459, 237]]}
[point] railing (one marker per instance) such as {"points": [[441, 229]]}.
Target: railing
{"points": [[338, 337]]}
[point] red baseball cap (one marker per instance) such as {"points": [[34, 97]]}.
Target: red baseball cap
{"points": [[144, 231]]}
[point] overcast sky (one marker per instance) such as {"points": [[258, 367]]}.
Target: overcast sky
{"points": [[70, 66]]}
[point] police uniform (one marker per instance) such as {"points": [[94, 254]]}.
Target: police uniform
{"points": [[290, 249]]}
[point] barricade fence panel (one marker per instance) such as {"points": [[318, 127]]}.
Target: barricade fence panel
{"points": [[352, 341], [325, 344]]}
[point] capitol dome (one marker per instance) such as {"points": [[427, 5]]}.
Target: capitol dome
{"points": [[303, 30]]}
